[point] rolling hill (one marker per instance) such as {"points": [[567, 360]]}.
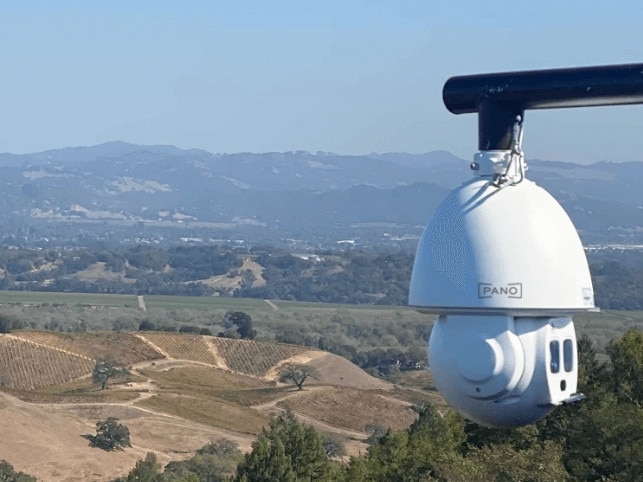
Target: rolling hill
{"points": [[182, 391], [114, 190]]}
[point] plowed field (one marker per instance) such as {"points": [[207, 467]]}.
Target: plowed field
{"points": [[124, 348], [253, 357], [181, 346], [28, 366]]}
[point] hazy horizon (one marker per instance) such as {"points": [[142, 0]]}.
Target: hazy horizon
{"points": [[343, 77], [365, 154]]}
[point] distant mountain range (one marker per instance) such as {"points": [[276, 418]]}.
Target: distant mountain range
{"points": [[126, 192]]}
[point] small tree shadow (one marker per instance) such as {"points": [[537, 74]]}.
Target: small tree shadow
{"points": [[110, 435]]}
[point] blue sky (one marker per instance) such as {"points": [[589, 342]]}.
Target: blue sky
{"points": [[350, 77]]}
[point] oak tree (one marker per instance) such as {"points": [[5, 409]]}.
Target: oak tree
{"points": [[110, 435], [297, 373], [104, 370]]}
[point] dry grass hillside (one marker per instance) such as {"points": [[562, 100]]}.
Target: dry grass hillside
{"points": [[182, 391]]}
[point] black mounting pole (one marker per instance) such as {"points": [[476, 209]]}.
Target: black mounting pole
{"points": [[500, 98]]}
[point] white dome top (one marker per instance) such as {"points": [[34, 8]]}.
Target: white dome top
{"points": [[510, 248]]}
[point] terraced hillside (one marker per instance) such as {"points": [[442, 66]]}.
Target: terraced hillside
{"points": [[124, 348], [180, 346], [25, 365], [253, 357], [183, 390], [66, 356]]}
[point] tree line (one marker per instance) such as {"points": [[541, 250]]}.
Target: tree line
{"points": [[355, 276]]}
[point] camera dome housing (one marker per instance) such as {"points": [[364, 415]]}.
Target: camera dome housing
{"points": [[504, 268]]}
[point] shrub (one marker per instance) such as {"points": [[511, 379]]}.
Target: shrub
{"points": [[8, 473]]}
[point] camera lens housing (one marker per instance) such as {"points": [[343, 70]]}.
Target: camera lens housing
{"points": [[504, 371]]}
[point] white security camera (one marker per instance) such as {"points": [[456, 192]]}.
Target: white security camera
{"points": [[504, 269], [500, 261]]}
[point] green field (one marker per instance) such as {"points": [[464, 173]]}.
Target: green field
{"points": [[44, 298], [204, 303], [604, 326], [362, 326]]}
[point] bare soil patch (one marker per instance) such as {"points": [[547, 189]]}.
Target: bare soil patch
{"points": [[335, 370], [47, 442], [234, 279], [351, 409]]}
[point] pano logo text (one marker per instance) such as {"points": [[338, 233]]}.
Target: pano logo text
{"points": [[509, 290]]}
